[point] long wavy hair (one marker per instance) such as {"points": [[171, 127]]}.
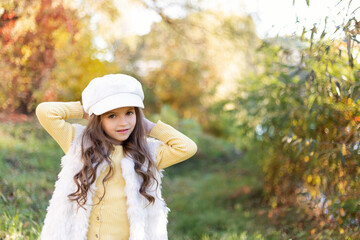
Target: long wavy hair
{"points": [[96, 147]]}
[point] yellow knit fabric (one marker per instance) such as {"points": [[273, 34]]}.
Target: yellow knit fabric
{"points": [[108, 219]]}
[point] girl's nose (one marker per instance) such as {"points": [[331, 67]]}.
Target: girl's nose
{"points": [[121, 121]]}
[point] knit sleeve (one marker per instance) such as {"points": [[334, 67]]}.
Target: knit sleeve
{"points": [[176, 148], [52, 116]]}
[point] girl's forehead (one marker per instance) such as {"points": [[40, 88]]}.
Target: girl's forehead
{"points": [[121, 109]]}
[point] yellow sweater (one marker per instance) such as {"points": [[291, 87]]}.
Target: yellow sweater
{"points": [[108, 219]]}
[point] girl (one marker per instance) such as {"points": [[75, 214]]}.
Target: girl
{"points": [[110, 181]]}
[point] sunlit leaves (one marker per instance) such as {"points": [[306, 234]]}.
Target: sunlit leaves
{"points": [[194, 59], [307, 120], [47, 54], [28, 57]]}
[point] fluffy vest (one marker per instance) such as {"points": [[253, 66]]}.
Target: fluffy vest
{"points": [[65, 221]]}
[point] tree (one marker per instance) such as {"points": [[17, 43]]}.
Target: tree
{"points": [[189, 63], [301, 109], [27, 55]]}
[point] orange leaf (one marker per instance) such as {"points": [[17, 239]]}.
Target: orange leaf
{"points": [[357, 119]]}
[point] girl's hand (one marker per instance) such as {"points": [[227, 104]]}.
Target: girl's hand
{"points": [[85, 115], [148, 125]]}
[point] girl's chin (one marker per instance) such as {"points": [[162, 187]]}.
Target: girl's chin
{"points": [[117, 141]]}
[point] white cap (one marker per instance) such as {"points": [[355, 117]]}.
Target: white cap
{"points": [[112, 91]]}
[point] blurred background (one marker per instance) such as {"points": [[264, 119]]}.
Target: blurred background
{"points": [[268, 90]]}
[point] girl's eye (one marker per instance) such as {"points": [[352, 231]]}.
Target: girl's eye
{"points": [[111, 116], [130, 113]]}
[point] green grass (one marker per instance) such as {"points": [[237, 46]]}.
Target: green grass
{"points": [[217, 194], [29, 162], [221, 200]]}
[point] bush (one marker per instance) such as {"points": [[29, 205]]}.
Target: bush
{"points": [[303, 113]]}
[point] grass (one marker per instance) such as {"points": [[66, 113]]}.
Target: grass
{"points": [[216, 194], [29, 162], [219, 201]]}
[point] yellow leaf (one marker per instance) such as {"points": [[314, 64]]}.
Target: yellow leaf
{"points": [[341, 231], [313, 193], [312, 232], [317, 180], [306, 158], [341, 188], [343, 149], [273, 202], [26, 51], [309, 178], [342, 212]]}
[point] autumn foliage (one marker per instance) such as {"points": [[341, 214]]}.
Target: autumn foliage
{"points": [[289, 104], [28, 56], [302, 111]]}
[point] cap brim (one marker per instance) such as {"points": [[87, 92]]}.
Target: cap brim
{"points": [[116, 101]]}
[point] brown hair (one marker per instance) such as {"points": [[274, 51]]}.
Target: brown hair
{"points": [[96, 147]]}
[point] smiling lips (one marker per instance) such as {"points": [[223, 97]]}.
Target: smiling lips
{"points": [[122, 131]]}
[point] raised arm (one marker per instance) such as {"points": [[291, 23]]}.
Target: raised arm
{"points": [[52, 116], [177, 147]]}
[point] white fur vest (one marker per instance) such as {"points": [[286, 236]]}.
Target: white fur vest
{"points": [[65, 221]]}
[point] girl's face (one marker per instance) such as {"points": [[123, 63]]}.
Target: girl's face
{"points": [[119, 123]]}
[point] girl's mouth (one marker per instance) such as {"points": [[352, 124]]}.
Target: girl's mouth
{"points": [[122, 131]]}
